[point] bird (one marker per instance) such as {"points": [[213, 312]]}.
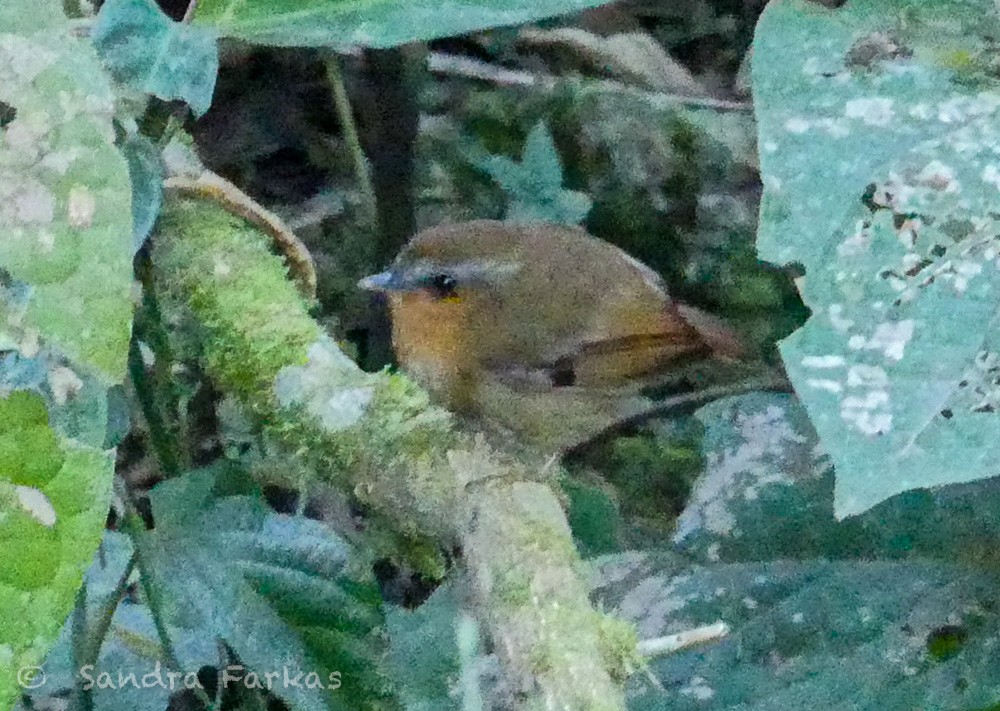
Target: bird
{"points": [[540, 329]]}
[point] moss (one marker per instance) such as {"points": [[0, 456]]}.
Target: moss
{"points": [[512, 587], [619, 646], [540, 536], [945, 642], [254, 316]]}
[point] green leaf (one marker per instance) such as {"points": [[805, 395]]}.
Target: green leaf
{"points": [[767, 489], [64, 192], [279, 597], [49, 529], [423, 651], [146, 50], [878, 135], [767, 494], [534, 186], [593, 517], [145, 170], [370, 23], [864, 636]]}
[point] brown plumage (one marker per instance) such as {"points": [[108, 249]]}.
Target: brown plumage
{"points": [[542, 328]]}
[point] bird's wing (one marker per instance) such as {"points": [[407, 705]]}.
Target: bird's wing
{"points": [[613, 365], [576, 392], [553, 419], [623, 361], [713, 331]]}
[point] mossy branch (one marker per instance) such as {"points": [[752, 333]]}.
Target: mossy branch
{"points": [[378, 436]]}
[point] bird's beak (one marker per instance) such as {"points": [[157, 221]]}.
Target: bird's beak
{"points": [[383, 281]]}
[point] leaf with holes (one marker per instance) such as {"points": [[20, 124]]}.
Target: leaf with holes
{"points": [[880, 157], [65, 321], [876, 636]]}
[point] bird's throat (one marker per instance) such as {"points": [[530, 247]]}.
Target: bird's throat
{"points": [[430, 337]]}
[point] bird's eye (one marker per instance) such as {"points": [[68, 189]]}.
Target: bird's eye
{"points": [[443, 286]]}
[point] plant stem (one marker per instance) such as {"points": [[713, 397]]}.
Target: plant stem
{"points": [[173, 126], [160, 435], [80, 646], [167, 392], [394, 118], [87, 640], [132, 524], [102, 623], [347, 124]]}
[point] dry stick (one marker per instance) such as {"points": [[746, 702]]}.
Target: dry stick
{"points": [[454, 65], [345, 116], [673, 643], [225, 194]]}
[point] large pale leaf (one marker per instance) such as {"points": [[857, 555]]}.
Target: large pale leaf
{"points": [[64, 191], [371, 23], [861, 636], [65, 319], [881, 165]]}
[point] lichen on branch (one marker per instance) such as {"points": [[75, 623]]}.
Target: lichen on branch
{"points": [[378, 437]]}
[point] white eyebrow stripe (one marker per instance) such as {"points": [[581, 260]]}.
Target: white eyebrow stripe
{"points": [[470, 270]]}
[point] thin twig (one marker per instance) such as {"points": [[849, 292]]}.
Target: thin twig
{"points": [[454, 65], [133, 526], [160, 434], [189, 13], [102, 622], [347, 124], [209, 185], [166, 390]]}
